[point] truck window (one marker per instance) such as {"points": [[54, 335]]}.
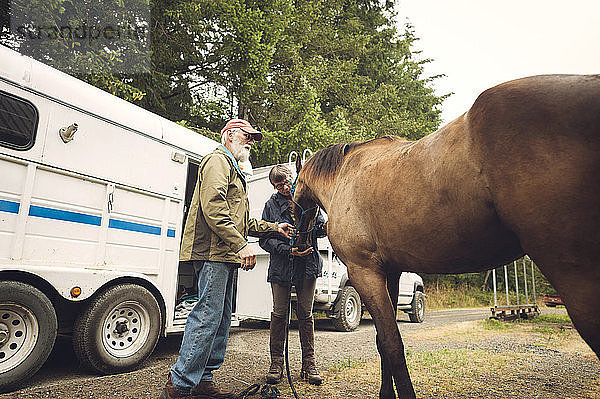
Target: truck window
{"points": [[18, 122]]}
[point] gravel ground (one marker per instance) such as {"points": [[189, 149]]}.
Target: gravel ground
{"points": [[349, 364]]}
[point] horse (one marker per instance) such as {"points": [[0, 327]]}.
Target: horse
{"points": [[518, 173]]}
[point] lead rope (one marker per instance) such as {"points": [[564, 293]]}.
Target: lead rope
{"points": [[270, 391], [287, 330], [296, 234], [289, 304], [267, 392]]}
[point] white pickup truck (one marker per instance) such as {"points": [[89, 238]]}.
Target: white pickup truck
{"points": [[335, 295]]}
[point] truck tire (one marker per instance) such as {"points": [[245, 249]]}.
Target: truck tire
{"points": [[118, 330], [28, 329], [348, 310], [417, 313]]}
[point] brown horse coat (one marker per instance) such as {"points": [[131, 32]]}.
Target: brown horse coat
{"points": [[519, 173]]}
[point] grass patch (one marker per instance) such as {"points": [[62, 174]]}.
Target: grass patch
{"points": [[561, 318], [478, 370], [543, 330], [497, 325], [452, 371], [443, 296], [446, 296], [348, 363]]}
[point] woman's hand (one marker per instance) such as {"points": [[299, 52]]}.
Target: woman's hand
{"points": [[307, 251]]}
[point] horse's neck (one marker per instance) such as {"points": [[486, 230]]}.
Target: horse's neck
{"points": [[322, 192]]}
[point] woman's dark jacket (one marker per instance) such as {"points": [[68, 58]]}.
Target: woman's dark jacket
{"points": [[278, 209]]}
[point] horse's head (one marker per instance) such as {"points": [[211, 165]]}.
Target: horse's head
{"points": [[305, 210]]}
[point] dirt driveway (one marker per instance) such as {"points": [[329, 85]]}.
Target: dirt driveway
{"points": [[337, 353]]}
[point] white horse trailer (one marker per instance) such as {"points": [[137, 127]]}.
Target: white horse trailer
{"points": [[92, 200]]}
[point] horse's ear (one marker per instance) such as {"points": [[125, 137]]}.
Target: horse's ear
{"points": [[346, 148], [298, 165]]}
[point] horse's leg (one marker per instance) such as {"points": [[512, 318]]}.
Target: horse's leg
{"points": [[582, 306], [386, 378], [578, 285], [371, 283]]}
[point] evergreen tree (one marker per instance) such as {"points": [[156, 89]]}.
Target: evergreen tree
{"points": [[308, 73]]}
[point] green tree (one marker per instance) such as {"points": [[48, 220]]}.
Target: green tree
{"points": [[342, 72], [101, 42], [210, 58], [308, 73]]}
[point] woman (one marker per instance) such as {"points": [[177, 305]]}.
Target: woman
{"points": [[307, 267]]}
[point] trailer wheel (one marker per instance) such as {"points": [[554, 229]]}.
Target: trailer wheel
{"points": [[118, 330], [349, 310], [27, 332], [417, 313]]}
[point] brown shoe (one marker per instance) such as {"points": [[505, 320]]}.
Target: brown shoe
{"points": [[309, 373], [275, 372], [210, 390], [169, 392]]}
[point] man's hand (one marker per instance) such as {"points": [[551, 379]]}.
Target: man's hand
{"points": [[307, 251], [285, 229], [248, 258]]}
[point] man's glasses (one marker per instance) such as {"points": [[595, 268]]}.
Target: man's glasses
{"points": [[281, 186], [247, 136]]}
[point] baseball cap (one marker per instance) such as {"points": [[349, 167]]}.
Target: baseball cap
{"points": [[244, 125]]}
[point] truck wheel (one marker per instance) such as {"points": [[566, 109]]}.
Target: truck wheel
{"points": [[118, 330], [349, 310], [27, 332], [417, 313]]}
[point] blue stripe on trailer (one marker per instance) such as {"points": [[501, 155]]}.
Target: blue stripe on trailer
{"points": [[130, 226], [76, 217], [68, 216], [12, 207]]}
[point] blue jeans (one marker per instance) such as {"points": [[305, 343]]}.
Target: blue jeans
{"points": [[207, 327]]}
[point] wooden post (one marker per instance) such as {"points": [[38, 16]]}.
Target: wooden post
{"points": [[506, 285]]}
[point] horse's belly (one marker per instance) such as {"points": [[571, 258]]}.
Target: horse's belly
{"points": [[464, 245]]}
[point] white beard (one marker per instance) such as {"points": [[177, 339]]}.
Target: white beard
{"points": [[241, 152]]}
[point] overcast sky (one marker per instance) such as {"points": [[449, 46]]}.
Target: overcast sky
{"points": [[480, 43]]}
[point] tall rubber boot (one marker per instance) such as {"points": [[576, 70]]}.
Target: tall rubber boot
{"points": [[307, 342], [276, 345]]}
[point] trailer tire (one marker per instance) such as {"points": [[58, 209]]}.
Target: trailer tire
{"points": [[118, 330], [417, 313], [28, 329], [348, 310]]}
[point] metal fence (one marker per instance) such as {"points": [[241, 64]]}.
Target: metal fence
{"points": [[516, 310]]}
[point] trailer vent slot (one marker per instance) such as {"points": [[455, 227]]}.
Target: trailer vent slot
{"points": [[178, 157]]}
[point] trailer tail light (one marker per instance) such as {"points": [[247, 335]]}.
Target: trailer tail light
{"points": [[75, 292]]}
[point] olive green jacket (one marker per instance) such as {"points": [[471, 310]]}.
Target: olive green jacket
{"points": [[218, 221]]}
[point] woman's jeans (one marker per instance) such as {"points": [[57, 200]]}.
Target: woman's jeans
{"points": [[207, 327]]}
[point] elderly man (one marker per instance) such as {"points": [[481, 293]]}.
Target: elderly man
{"points": [[215, 240]]}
